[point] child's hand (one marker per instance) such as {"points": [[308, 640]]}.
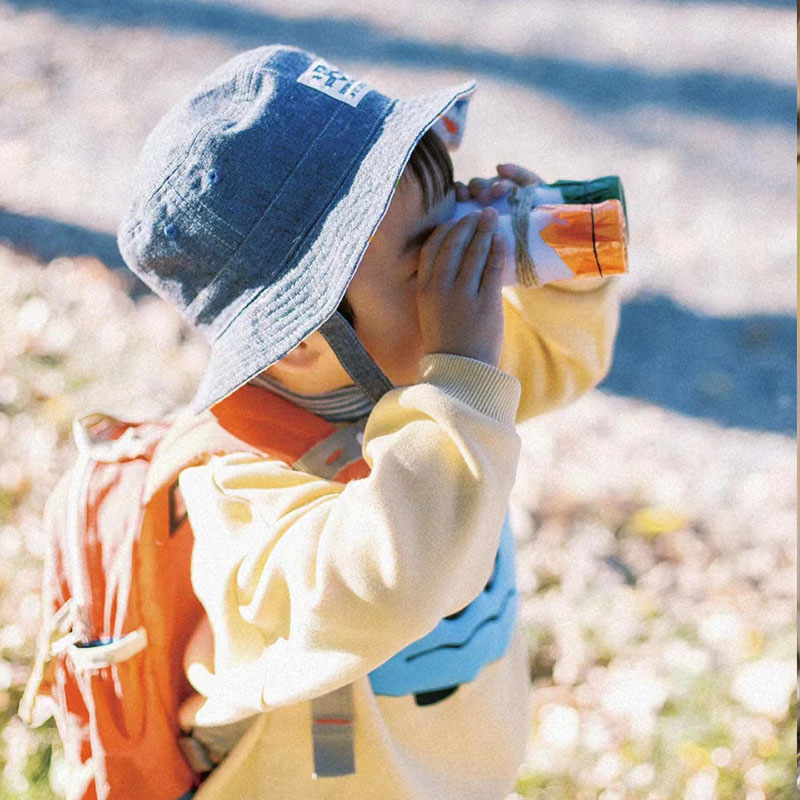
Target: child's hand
{"points": [[459, 275], [487, 190]]}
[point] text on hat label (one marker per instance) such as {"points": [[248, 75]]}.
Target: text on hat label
{"points": [[333, 82]]}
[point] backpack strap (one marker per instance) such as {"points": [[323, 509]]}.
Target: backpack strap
{"points": [[312, 444], [332, 733], [299, 437], [255, 419], [192, 439]]}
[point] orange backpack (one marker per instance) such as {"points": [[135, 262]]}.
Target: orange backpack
{"points": [[118, 604]]}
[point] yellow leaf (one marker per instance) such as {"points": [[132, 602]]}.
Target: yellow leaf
{"points": [[58, 410], [767, 748], [755, 642], [693, 755], [653, 521]]}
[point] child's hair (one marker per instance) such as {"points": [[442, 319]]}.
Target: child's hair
{"points": [[431, 165], [430, 162]]}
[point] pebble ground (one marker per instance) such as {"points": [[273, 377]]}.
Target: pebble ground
{"points": [[655, 518]]}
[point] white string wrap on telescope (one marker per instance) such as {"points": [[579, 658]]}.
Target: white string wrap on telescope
{"points": [[521, 202]]}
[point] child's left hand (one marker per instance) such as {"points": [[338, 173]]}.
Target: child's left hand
{"points": [[487, 190]]}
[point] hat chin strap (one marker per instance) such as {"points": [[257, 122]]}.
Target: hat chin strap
{"points": [[366, 374]]}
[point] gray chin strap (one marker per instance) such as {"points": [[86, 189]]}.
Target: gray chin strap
{"points": [[366, 374]]}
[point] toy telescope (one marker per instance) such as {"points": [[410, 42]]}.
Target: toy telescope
{"points": [[561, 231]]}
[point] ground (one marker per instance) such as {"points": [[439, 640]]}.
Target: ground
{"points": [[655, 518]]}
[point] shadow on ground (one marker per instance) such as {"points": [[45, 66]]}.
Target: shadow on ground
{"points": [[735, 371], [46, 239], [591, 87]]}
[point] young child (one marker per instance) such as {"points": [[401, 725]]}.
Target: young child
{"points": [[361, 638]]}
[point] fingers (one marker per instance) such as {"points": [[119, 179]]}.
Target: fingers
{"points": [[441, 253], [492, 277], [458, 253], [500, 188], [448, 259], [486, 190], [429, 251], [455, 316], [517, 174], [476, 254]]}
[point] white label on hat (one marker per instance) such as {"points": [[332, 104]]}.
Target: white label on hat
{"points": [[334, 83]]}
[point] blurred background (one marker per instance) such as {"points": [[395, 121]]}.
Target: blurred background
{"points": [[655, 518]]}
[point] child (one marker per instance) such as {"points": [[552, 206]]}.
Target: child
{"points": [[361, 638]]}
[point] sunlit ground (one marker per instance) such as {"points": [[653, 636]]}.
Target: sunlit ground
{"points": [[662, 647], [655, 519]]}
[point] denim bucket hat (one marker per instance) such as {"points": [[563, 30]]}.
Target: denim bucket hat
{"points": [[255, 198]]}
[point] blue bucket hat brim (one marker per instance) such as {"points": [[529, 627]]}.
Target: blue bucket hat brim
{"points": [[283, 313]]}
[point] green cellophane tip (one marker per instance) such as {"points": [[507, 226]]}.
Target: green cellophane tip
{"points": [[608, 187]]}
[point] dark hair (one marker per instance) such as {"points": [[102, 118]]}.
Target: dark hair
{"points": [[430, 164]]}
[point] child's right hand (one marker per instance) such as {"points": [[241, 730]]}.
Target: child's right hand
{"points": [[459, 304]]}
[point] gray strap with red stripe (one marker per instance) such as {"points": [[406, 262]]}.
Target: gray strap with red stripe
{"points": [[332, 733], [329, 457], [332, 713]]}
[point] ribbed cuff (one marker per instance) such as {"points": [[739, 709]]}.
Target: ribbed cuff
{"points": [[480, 385]]}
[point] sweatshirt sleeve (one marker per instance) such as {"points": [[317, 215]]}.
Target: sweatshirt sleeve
{"points": [[559, 340], [310, 584]]}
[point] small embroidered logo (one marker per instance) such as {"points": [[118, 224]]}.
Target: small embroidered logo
{"points": [[334, 83]]}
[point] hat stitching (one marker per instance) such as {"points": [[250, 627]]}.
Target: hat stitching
{"points": [[290, 294], [288, 178], [196, 219], [323, 213], [244, 298], [315, 305], [203, 204], [287, 299], [203, 133], [155, 197], [187, 205], [247, 236]]}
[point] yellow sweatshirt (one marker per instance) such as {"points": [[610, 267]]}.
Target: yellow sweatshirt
{"points": [[311, 584]]}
